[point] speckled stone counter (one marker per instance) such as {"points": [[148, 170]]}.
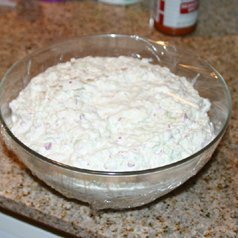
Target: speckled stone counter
{"points": [[205, 206]]}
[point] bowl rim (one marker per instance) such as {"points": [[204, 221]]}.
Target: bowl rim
{"points": [[116, 173]]}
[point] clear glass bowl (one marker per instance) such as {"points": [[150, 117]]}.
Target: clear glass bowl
{"points": [[116, 190]]}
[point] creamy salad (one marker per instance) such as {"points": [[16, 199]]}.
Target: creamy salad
{"points": [[111, 114]]}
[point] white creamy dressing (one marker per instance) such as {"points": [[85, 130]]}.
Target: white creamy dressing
{"points": [[111, 114]]}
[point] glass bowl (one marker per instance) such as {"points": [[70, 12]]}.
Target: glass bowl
{"points": [[116, 190]]}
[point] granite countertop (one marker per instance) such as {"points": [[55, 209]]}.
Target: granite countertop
{"points": [[206, 205]]}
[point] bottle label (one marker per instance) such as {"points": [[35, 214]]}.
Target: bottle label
{"points": [[177, 13]]}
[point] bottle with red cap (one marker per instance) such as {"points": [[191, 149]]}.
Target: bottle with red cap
{"points": [[176, 17]]}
